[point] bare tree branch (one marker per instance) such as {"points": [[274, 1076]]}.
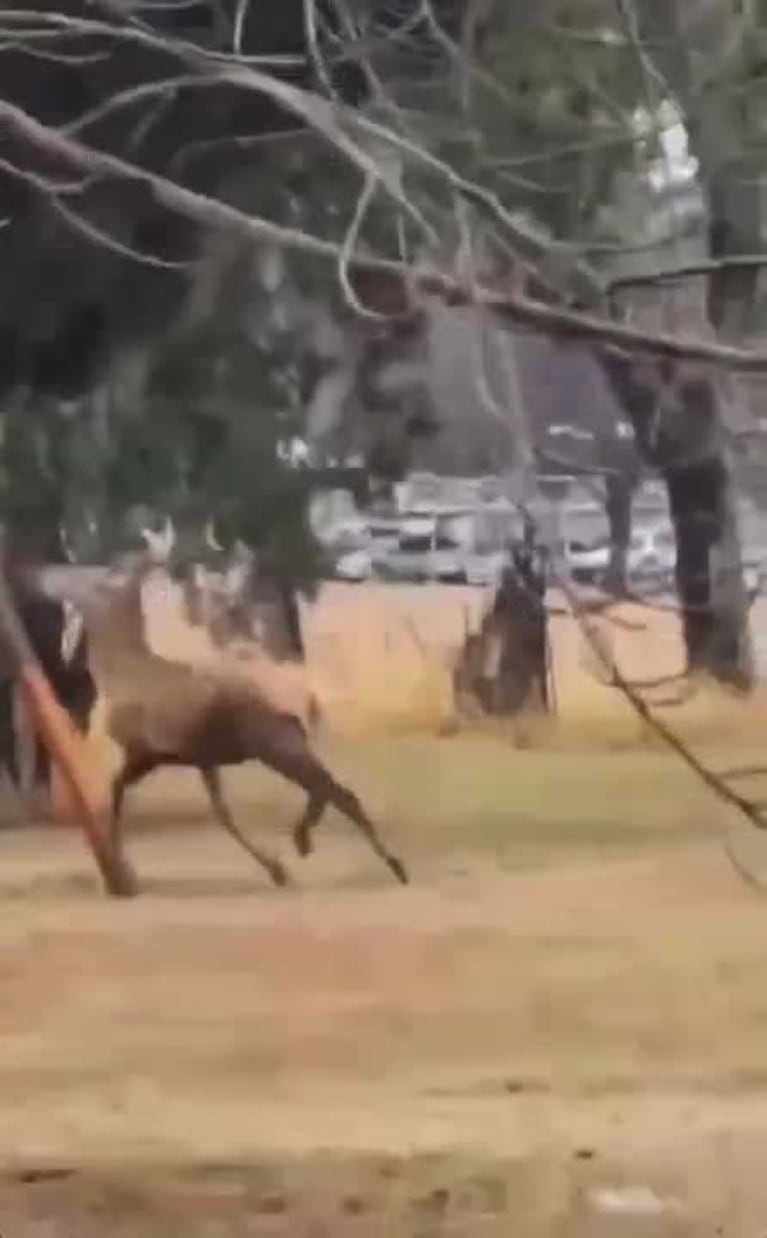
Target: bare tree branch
{"points": [[517, 309], [705, 267], [717, 783]]}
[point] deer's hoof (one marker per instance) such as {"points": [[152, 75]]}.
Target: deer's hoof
{"points": [[127, 883], [279, 875], [398, 869], [302, 840]]}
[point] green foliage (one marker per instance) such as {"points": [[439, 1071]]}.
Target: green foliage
{"points": [[220, 400], [34, 440], [195, 422], [543, 119], [551, 106]]}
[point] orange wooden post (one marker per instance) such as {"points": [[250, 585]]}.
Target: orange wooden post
{"points": [[61, 738]]}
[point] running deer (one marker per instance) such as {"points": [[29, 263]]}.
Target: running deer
{"points": [[166, 713]]}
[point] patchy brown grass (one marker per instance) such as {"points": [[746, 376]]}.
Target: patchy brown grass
{"points": [[568, 999], [557, 1031]]}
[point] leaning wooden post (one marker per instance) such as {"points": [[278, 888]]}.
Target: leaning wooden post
{"points": [[65, 746]]}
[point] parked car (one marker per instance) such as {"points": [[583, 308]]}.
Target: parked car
{"points": [[588, 561], [447, 566], [424, 551], [752, 577], [355, 565], [652, 553], [417, 563], [485, 569]]}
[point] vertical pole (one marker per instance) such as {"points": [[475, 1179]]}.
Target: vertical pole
{"points": [[60, 736]]}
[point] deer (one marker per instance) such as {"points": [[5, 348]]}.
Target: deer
{"points": [[164, 713]]}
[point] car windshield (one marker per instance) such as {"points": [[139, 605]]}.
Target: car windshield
{"points": [[415, 542], [579, 546]]}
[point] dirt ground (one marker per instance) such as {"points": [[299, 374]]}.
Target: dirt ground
{"points": [[558, 1029]]}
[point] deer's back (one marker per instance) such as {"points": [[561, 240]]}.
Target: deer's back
{"points": [[179, 712]]}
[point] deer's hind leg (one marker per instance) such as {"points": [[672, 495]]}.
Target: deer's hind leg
{"points": [[212, 780], [350, 805], [294, 759], [302, 830]]}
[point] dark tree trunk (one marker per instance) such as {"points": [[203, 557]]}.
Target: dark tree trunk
{"points": [[676, 419], [714, 635], [692, 456]]}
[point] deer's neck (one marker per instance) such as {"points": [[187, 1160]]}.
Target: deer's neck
{"points": [[117, 640]]}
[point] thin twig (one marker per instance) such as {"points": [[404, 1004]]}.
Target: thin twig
{"points": [[691, 270]]}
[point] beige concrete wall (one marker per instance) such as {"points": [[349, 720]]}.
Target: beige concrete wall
{"points": [[380, 659]]}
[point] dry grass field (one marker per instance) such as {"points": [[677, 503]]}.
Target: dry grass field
{"points": [[558, 1030], [566, 1005]]}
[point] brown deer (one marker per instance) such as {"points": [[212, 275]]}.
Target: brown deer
{"points": [[166, 713]]}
